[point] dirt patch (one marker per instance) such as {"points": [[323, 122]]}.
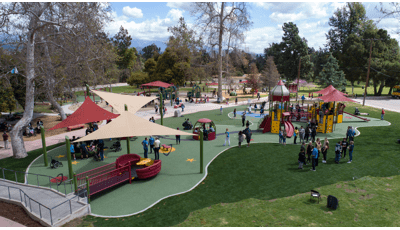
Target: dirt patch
{"points": [[338, 186], [17, 214], [349, 190], [329, 212], [366, 197], [272, 200], [388, 189], [361, 190]]}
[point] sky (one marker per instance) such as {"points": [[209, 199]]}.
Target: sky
{"points": [[147, 22]]}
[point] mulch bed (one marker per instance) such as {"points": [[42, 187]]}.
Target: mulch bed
{"points": [[16, 213]]}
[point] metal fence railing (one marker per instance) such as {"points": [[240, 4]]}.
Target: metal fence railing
{"points": [[48, 216], [41, 180], [81, 177]]}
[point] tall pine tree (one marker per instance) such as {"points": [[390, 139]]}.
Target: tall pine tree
{"points": [[331, 75]]}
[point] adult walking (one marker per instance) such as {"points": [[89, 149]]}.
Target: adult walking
{"points": [[178, 138], [314, 158], [151, 143], [325, 148], [351, 148], [243, 117], [5, 139], [156, 148], [145, 144]]}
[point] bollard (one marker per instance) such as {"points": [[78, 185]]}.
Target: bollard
{"points": [[68, 145]]}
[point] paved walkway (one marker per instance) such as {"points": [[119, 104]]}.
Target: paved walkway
{"points": [[387, 103], [60, 205], [4, 222]]}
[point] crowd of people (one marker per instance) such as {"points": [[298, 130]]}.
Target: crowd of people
{"points": [[312, 152]]}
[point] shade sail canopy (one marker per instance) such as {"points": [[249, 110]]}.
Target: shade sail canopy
{"points": [[280, 92], [118, 101], [128, 125], [86, 113], [204, 120], [157, 84], [335, 96]]}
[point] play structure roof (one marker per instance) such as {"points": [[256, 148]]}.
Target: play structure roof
{"points": [[128, 125], [86, 113], [157, 84], [280, 92], [204, 120], [118, 101], [335, 95], [327, 90]]}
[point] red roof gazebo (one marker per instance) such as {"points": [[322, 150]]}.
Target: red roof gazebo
{"points": [[335, 95]]}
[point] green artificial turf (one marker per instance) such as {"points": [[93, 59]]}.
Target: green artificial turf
{"points": [[269, 171], [22, 164]]}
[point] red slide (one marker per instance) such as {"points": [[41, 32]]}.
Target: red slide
{"points": [[289, 128]]}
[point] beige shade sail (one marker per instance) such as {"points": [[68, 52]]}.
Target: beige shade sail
{"points": [[118, 101], [128, 125]]}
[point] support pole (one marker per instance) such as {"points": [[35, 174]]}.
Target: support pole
{"points": [[369, 65], [70, 171], [87, 90], [298, 80], [88, 189], [201, 151], [128, 147], [75, 183], [161, 107], [46, 163]]}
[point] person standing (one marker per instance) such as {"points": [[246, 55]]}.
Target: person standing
{"points": [[318, 146], [301, 133], [234, 113], [5, 139], [100, 147], [313, 133], [227, 138], [151, 143], [280, 135], [255, 107], [302, 158], [314, 158], [309, 151], [243, 117], [241, 138], [72, 150], [220, 109], [236, 100], [183, 107], [325, 148], [284, 137], [247, 123], [249, 109], [338, 150], [178, 138], [145, 144], [351, 148], [307, 133], [296, 133], [156, 148], [248, 133], [382, 114], [302, 99], [156, 108], [344, 147]]}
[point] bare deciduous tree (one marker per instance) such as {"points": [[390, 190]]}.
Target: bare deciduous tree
{"points": [[215, 19]]}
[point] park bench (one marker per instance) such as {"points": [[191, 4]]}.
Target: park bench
{"points": [[69, 128]]}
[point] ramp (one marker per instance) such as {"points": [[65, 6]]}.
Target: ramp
{"points": [[362, 118]]}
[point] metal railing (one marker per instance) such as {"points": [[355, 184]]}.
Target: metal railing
{"points": [[26, 200], [81, 177], [47, 179]]}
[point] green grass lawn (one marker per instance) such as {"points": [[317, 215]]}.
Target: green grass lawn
{"points": [[36, 109], [22, 164], [242, 182]]}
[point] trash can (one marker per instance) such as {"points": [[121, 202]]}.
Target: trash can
{"points": [[177, 113]]}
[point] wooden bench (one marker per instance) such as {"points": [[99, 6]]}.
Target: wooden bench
{"points": [[69, 128]]}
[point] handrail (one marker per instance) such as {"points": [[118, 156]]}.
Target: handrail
{"points": [[25, 203], [37, 176]]}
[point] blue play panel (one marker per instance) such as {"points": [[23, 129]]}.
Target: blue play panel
{"points": [[252, 114]]}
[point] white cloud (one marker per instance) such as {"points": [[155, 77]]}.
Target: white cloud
{"points": [[175, 14], [132, 12], [281, 18], [258, 39], [179, 5], [280, 7]]}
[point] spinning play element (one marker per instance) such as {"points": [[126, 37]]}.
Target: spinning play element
{"points": [[201, 124]]}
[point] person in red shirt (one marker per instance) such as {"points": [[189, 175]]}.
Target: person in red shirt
{"points": [[5, 139], [383, 114]]}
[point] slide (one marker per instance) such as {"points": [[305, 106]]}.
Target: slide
{"points": [[289, 128], [362, 118], [267, 124]]}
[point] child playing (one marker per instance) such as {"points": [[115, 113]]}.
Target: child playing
{"points": [[296, 133], [241, 138], [284, 137], [302, 158], [280, 136], [234, 113], [227, 137], [351, 148], [220, 109]]}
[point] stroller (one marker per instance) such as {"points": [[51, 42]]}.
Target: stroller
{"points": [[55, 163], [116, 146]]}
